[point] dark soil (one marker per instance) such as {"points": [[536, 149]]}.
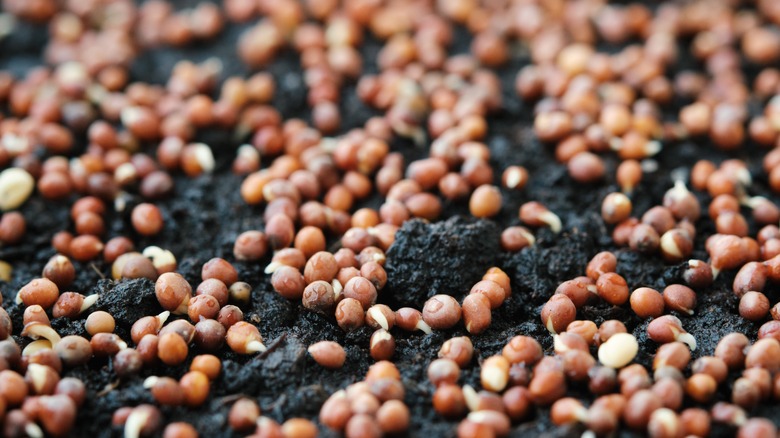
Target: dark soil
{"points": [[204, 215]]}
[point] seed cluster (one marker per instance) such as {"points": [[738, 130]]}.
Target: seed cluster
{"points": [[84, 132]]}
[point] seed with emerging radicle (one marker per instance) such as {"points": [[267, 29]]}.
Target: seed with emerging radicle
{"points": [[329, 354]]}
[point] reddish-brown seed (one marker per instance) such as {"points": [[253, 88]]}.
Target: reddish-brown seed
{"points": [[441, 312], [558, 313]]}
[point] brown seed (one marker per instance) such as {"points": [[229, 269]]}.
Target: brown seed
{"points": [[41, 291], [243, 414], [382, 345], [558, 313], [448, 400], [647, 302], [328, 354], [173, 292], [441, 312], [476, 313], [244, 338], [99, 322], [701, 387], [172, 349], [579, 290], [612, 288], [208, 364], [250, 246], [362, 290], [459, 349], [59, 270], [765, 353], [349, 314], [220, 269], [680, 298], [147, 219], [753, 306], [731, 349], [195, 386], [485, 201]]}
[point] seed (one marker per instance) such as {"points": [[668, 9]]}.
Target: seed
{"points": [[250, 245], [668, 328], [99, 322], [328, 354], [459, 349], [485, 201], [731, 349], [579, 290], [172, 349], [547, 387], [321, 266], [448, 400], [57, 414], [567, 410], [244, 338], [73, 388], [494, 374], [698, 274], [147, 219], [209, 334], [202, 307], [701, 387], [644, 238], [73, 350], [240, 293], [647, 302], [243, 414], [476, 312], [318, 296], [349, 314], [310, 240], [40, 291], [380, 316], [491, 290], [615, 208], [127, 362], [215, 289], [195, 386], [695, 421], [682, 203], [515, 238], [220, 269], [640, 408], [173, 292], [619, 350], [765, 353], [411, 319], [180, 429], [753, 306], [676, 245], [522, 349], [16, 185], [441, 312], [72, 304], [537, 215], [557, 313], [362, 290], [382, 345], [680, 298], [60, 270], [393, 417], [750, 277], [612, 288]]}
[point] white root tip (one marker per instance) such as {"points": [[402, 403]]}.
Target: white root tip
{"points": [[552, 220], [150, 381], [424, 327], [88, 302], [687, 338], [272, 267], [255, 347]]}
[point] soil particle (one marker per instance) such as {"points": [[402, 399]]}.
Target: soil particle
{"points": [[440, 258]]}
